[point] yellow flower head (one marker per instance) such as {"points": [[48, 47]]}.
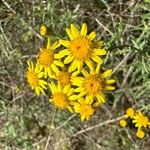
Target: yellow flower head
{"points": [[84, 107], [81, 48], [61, 96], [93, 83], [34, 75], [46, 59], [140, 134], [43, 30], [123, 123], [140, 120], [129, 113]]}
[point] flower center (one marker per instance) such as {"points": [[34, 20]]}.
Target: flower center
{"points": [[81, 48], [64, 78], [143, 120], [130, 112], [46, 57], [93, 84], [86, 110], [60, 100], [32, 78]]}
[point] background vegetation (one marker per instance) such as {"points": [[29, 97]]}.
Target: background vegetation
{"points": [[30, 122]]}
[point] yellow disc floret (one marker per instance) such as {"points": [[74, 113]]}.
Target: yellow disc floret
{"points": [[43, 30], [81, 48], [129, 112], [46, 57], [64, 78], [140, 134], [93, 84], [60, 100], [123, 123]]}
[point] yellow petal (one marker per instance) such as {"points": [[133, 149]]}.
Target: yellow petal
{"points": [[84, 29], [69, 34], [73, 97], [55, 45], [98, 68], [64, 43], [77, 81], [100, 52], [101, 98], [61, 54], [79, 65], [89, 100], [41, 74], [37, 91], [110, 88], [54, 68], [70, 109], [66, 89], [74, 30], [92, 35], [90, 65], [97, 59], [68, 59], [84, 72], [58, 63], [73, 66], [106, 74], [111, 81], [83, 118]]}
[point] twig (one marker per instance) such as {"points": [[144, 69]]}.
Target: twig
{"points": [[103, 26], [92, 128], [121, 63], [70, 118], [8, 6]]}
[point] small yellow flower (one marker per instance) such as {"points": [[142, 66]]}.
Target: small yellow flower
{"points": [[129, 113], [34, 75], [46, 59], [64, 78], [43, 30], [84, 107], [61, 96], [140, 120], [81, 48], [123, 123], [140, 133], [93, 83]]}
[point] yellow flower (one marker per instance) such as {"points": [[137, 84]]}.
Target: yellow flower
{"points": [[61, 96], [140, 133], [93, 83], [84, 107], [81, 48], [46, 59], [140, 120], [34, 75], [123, 123], [129, 113], [43, 30]]}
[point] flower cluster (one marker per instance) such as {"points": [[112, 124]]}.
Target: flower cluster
{"points": [[71, 69], [138, 119]]}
